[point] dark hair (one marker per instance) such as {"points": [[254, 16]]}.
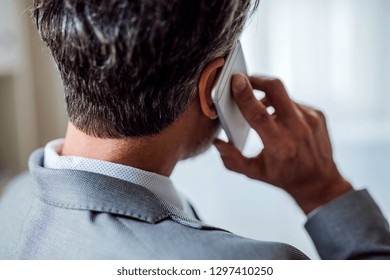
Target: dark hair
{"points": [[131, 67]]}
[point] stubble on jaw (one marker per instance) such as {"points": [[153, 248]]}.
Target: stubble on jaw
{"points": [[203, 144]]}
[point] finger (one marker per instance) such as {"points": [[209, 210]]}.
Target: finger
{"points": [[235, 161], [270, 108], [276, 95], [317, 121], [231, 156], [304, 108], [265, 102], [253, 111], [312, 116]]}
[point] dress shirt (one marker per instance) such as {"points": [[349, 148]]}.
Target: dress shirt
{"points": [[159, 185]]}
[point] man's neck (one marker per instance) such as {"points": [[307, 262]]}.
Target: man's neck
{"points": [[154, 154]]}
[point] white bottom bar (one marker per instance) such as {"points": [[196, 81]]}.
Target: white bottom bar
{"points": [[280, 270]]}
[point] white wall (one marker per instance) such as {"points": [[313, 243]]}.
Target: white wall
{"points": [[32, 107]]}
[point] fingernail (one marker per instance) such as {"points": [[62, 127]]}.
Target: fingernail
{"points": [[238, 83]]}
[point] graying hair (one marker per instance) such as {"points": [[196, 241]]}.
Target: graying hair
{"points": [[131, 67]]}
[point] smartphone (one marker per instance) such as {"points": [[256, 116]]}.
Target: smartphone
{"points": [[230, 117]]}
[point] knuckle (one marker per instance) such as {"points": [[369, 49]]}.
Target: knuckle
{"points": [[315, 121], [321, 115], [276, 84], [317, 118]]}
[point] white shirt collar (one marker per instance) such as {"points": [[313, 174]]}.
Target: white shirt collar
{"points": [[160, 185]]}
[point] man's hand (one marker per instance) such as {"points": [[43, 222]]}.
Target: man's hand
{"points": [[297, 154]]}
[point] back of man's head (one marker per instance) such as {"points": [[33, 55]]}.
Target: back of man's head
{"points": [[131, 67]]}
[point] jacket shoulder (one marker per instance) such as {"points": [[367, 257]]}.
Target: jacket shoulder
{"points": [[171, 240]]}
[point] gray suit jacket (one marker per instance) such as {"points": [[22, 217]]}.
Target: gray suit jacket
{"points": [[67, 214]]}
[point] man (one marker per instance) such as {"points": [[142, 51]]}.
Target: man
{"points": [[138, 78]]}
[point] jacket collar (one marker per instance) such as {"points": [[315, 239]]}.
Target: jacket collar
{"points": [[81, 190]]}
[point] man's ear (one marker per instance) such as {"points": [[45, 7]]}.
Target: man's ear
{"points": [[205, 86]]}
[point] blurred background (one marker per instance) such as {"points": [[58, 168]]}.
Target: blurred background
{"points": [[331, 54]]}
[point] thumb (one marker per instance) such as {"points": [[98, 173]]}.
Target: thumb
{"points": [[231, 156], [233, 160]]}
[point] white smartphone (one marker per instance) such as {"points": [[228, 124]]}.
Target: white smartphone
{"points": [[230, 117]]}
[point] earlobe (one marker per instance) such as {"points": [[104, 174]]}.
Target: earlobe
{"points": [[205, 86]]}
